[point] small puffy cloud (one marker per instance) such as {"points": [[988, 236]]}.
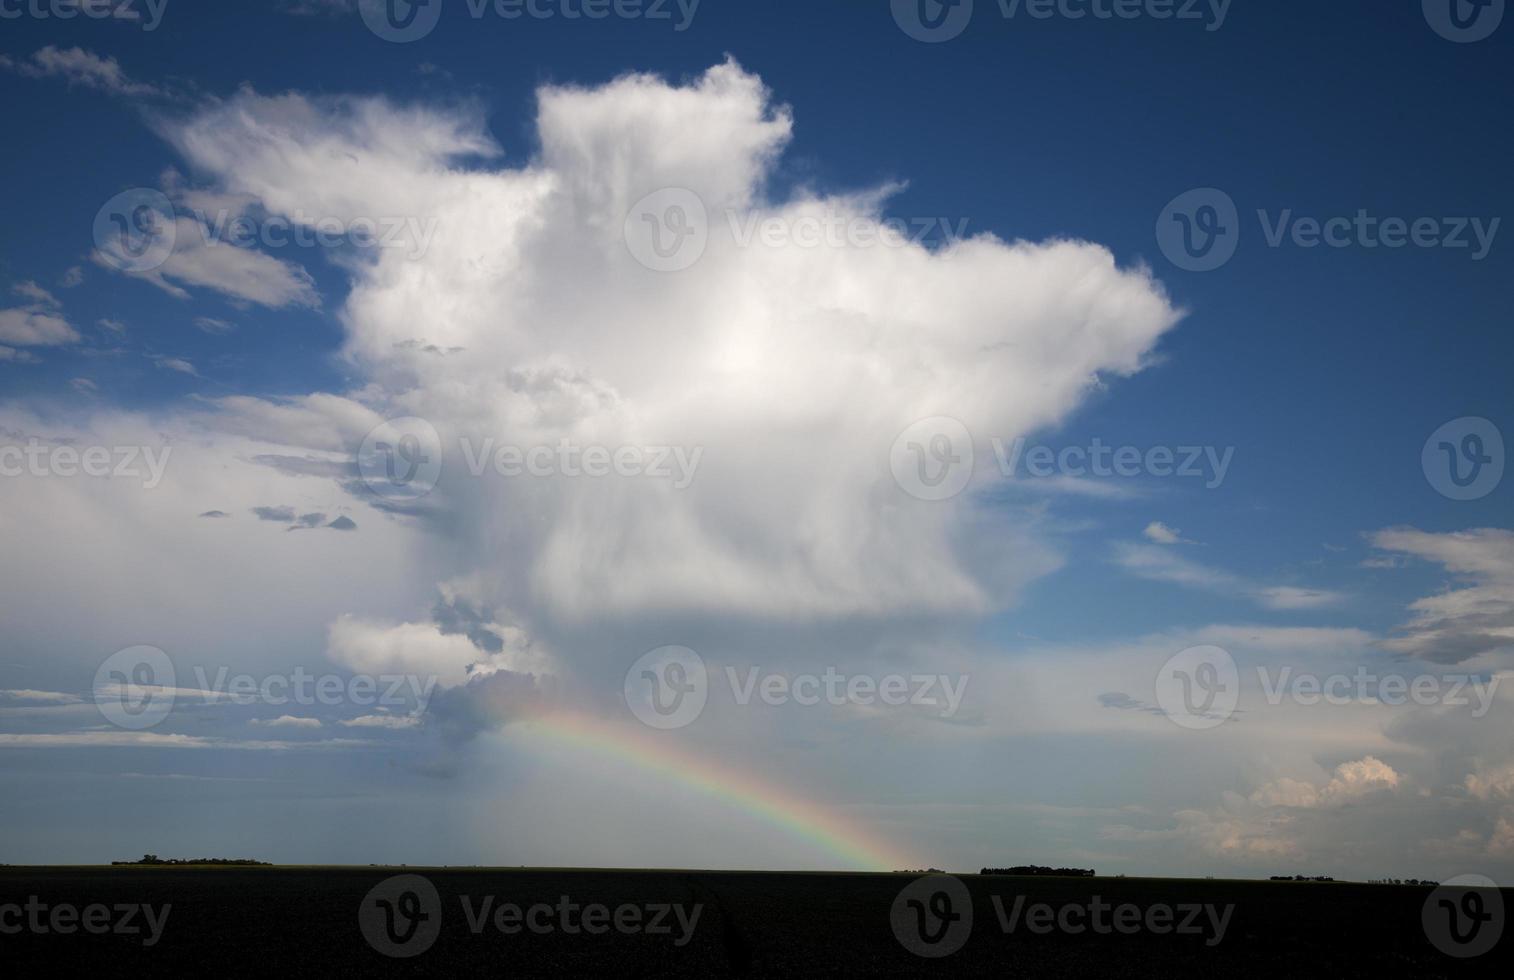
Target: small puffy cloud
{"points": [[282, 515], [213, 325], [1351, 781], [392, 722], [286, 721], [1289, 597], [72, 277], [178, 364], [343, 524], [28, 328], [1162, 534], [415, 649], [39, 324], [215, 514], [35, 293], [1492, 783], [1501, 841], [38, 697]]}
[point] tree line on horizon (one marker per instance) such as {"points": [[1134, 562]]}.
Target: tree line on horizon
{"points": [[1038, 870], [153, 859]]}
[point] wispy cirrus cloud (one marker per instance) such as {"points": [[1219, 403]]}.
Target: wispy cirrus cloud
{"points": [[80, 67], [1469, 620], [1160, 563]]}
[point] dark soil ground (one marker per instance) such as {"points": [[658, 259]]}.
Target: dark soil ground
{"points": [[304, 921]]}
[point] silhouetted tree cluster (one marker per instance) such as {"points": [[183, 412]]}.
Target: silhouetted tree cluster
{"points": [[1037, 870], [1302, 878], [1402, 881], [153, 859]]}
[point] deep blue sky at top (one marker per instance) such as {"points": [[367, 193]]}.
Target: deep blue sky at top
{"points": [[1326, 368]]}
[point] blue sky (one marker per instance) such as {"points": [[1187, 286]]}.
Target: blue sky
{"points": [[1323, 369]]}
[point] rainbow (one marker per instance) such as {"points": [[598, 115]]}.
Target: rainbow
{"points": [[821, 827]]}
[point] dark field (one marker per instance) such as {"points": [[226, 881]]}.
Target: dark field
{"points": [[293, 921]]}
